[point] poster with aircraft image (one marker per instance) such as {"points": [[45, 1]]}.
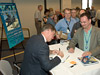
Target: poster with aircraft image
{"points": [[11, 23]]}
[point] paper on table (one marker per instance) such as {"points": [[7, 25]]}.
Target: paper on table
{"points": [[61, 70]]}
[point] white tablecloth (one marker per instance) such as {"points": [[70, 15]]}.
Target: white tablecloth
{"points": [[79, 69]]}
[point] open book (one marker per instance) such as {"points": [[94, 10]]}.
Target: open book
{"points": [[88, 60]]}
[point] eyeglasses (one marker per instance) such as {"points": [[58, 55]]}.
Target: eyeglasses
{"points": [[67, 13], [82, 22], [73, 12]]}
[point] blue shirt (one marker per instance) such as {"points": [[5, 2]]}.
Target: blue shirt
{"points": [[76, 19], [51, 21], [62, 26]]}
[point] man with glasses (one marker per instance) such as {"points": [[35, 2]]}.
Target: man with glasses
{"points": [[74, 16], [66, 24], [87, 37]]}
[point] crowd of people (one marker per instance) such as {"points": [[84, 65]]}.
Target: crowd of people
{"points": [[79, 24], [58, 19]]}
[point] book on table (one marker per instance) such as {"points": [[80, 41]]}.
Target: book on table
{"points": [[88, 60]]}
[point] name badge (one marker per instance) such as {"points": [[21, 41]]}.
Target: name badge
{"points": [[68, 31]]}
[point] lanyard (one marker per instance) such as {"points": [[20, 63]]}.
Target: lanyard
{"points": [[67, 23], [87, 40]]}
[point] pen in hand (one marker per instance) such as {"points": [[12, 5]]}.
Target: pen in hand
{"points": [[59, 49], [60, 53]]}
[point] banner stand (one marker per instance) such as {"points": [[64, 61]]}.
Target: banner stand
{"points": [[1, 41], [15, 63]]}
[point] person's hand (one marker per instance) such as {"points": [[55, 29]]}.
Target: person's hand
{"points": [[71, 50], [57, 36], [54, 51], [87, 53], [75, 31], [45, 20], [61, 54]]}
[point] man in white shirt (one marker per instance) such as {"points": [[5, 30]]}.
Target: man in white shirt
{"points": [[38, 18]]}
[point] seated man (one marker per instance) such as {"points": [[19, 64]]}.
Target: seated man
{"points": [[87, 37], [36, 56]]}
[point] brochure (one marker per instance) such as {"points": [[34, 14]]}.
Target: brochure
{"points": [[88, 60]]}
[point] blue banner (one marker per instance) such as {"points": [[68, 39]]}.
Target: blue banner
{"points": [[11, 23]]}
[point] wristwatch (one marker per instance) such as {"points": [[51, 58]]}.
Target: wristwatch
{"points": [[68, 48]]}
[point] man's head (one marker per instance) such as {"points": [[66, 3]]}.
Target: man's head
{"points": [[81, 11], [85, 20], [92, 7], [51, 15], [67, 13], [40, 7], [73, 13], [57, 12], [47, 12], [48, 31]]}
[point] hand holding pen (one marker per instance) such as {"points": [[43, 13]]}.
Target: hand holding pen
{"points": [[55, 51], [60, 53]]}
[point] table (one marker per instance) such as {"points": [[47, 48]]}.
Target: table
{"points": [[79, 69]]}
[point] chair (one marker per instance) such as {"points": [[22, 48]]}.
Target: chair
{"points": [[6, 68]]}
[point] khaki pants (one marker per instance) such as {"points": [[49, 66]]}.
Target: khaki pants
{"points": [[38, 27]]}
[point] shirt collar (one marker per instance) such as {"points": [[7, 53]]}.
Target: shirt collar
{"points": [[44, 38], [89, 30]]}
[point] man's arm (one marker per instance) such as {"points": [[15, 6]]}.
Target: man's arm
{"points": [[73, 30], [45, 62], [73, 43], [58, 25], [96, 51]]}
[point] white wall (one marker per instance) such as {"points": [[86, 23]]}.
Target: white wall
{"points": [[96, 4], [66, 4], [53, 4], [75, 3]]}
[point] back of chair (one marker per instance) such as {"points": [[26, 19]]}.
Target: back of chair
{"points": [[5, 67]]}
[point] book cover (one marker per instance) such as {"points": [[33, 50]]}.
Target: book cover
{"points": [[88, 60]]}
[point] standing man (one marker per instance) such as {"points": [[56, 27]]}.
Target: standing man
{"points": [[38, 19], [87, 37], [59, 15], [93, 14], [98, 18], [36, 57], [50, 20], [73, 15], [66, 24]]}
